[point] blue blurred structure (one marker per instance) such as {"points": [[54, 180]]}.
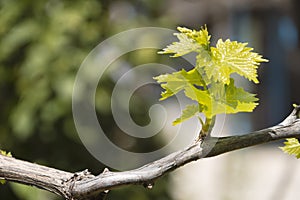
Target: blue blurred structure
{"points": [[275, 35]]}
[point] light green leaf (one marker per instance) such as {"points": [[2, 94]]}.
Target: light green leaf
{"points": [[189, 41], [238, 100], [235, 95], [201, 96], [210, 107], [177, 81], [188, 112], [230, 57], [295, 105], [222, 99], [201, 37], [292, 147], [184, 46], [4, 153]]}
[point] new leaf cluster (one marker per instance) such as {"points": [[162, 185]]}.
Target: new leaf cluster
{"points": [[292, 147], [209, 83]]}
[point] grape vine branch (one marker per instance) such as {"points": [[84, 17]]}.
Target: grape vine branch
{"points": [[83, 185]]}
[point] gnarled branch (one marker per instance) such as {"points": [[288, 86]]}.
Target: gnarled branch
{"points": [[84, 185]]}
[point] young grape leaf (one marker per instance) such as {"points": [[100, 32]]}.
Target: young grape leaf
{"points": [[188, 112], [235, 95], [201, 96], [4, 153], [177, 81], [295, 105], [292, 147], [230, 57], [222, 99], [189, 41], [201, 37]]}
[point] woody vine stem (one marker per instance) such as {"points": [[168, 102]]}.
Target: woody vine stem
{"points": [[83, 185]]}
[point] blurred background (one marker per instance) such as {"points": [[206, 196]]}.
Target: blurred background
{"points": [[43, 43]]}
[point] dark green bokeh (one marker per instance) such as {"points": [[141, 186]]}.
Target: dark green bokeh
{"points": [[42, 46]]}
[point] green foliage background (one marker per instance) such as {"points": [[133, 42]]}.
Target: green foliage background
{"points": [[42, 46]]}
